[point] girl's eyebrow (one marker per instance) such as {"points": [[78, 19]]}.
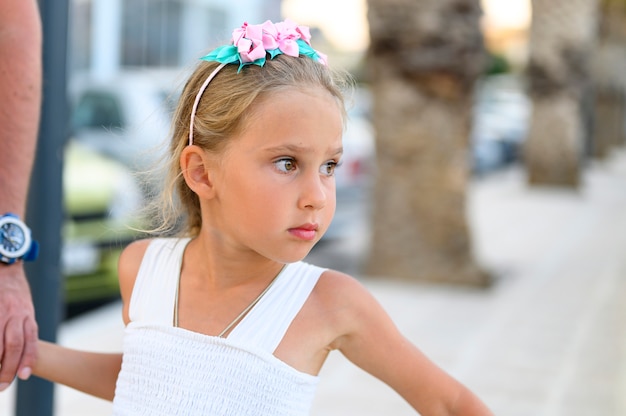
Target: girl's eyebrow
{"points": [[293, 148]]}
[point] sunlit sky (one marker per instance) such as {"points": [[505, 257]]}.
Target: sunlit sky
{"points": [[346, 25], [507, 13]]}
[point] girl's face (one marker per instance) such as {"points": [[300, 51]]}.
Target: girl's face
{"points": [[275, 185]]}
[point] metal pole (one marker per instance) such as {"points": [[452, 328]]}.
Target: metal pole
{"points": [[35, 396]]}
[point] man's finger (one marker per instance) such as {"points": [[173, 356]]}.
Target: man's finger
{"points": [[29, 355], [12, 353]]}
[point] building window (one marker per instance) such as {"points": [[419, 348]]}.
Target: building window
{"points": [[151, 32]]}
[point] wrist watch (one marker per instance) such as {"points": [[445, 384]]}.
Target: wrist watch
{"points": [[16, 242]]}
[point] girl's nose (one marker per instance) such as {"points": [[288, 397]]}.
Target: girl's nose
{"points": [[313, 194]]}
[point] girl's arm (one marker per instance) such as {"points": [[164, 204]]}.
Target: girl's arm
{"points": [[90, 372], [372, 342]]}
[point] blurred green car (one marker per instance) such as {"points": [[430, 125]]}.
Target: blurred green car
{"points": [[101, 202], [117, 126]]}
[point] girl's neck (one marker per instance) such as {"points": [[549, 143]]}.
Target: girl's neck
{"points": [[222, 268]]}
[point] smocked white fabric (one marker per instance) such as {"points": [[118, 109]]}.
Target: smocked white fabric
{"points": [[168, 371]]}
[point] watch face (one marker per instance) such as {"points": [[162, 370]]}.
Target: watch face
{"points": [[14, 238]]}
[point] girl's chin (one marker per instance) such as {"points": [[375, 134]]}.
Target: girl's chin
{"points": [[294, 256]]}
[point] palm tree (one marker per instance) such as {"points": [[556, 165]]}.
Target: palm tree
{"points": [[609, 79], [561, 38], [423, 61]]}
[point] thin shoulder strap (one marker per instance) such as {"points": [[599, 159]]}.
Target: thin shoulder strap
{"points": [[153, 295], [266, 324]]}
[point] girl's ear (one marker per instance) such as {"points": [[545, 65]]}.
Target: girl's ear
{"points": [[195, 166]]}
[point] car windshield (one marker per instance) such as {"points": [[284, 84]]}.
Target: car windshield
{"points": [[97, 109]]}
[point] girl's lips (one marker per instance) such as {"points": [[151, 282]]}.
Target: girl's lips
{"points": [[305, 232]]}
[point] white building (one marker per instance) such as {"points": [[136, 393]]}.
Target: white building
{"points": [[108, 35]]}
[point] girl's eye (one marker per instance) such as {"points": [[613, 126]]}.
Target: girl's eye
{"points": [[328, 168], [285, 165]]}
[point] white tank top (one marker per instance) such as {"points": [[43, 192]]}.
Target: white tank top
{"points": [[169, 371]]}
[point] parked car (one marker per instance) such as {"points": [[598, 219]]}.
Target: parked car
{"points": [[128, 116], [500, 122], [101, 201]]}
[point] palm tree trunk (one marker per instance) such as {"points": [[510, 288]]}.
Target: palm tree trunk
{"points": [[424, 59], [609, 79], [561, 37]]}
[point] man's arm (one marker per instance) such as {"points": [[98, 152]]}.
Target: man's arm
{"points": [[20, 101]]}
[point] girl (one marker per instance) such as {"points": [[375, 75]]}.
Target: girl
{"points": [[225, 319]]}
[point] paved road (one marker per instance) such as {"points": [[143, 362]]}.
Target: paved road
{"points": [[548, 339]]}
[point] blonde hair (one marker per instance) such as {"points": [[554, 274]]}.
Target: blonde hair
{"points": [[222, 113]]}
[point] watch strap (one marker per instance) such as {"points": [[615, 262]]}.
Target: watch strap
{"points": [[32, 254]]}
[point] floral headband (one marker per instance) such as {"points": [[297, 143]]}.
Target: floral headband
{"points": [[251, 44]]}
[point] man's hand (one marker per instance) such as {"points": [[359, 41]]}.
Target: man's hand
{"points": [[18, 328]]}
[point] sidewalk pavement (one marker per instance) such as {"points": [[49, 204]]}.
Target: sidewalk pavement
{"points": [[547, 339]]}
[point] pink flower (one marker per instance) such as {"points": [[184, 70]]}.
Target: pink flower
{"points": [[270, 36], [283, 36], [249, 42], [287, 35], [305, 33], [253, 42]]}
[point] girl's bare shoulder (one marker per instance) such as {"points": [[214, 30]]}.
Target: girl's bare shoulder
{"points": [[131, 258], [344, 300], [335, 286], [128, 267]]}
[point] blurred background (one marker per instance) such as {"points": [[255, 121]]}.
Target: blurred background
{"points": [[485, 145], [127, 61]]}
